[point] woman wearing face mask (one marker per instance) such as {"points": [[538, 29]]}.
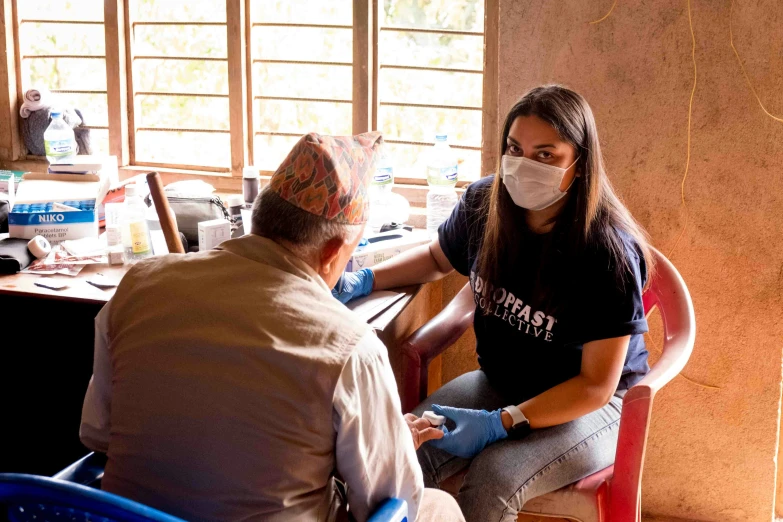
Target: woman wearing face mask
{"points": [[557, 266]]}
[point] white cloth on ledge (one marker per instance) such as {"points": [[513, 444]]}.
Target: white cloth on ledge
{"points": [[35, 99]]}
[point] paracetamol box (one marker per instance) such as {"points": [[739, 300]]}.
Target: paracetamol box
{"points": [[56, 226], [381, 247], [58, 208]]}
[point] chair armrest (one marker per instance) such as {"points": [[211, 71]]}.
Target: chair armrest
{"points": [[392, 510], [431, 340], [86, 471], [444, 329]]}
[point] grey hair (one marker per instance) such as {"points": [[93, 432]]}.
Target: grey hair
{"points": [[277, 219]]}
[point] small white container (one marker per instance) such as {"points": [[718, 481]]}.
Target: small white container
{"points": [[113, 235], [212, 233]]}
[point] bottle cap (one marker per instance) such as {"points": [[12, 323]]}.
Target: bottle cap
{"points": [[235, 200], [130, 190], [250, 173], [441, 137], [56, 113]]}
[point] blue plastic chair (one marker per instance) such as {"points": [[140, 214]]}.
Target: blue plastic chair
{"points": [[67, 497], [43, 499], [393, 510]]}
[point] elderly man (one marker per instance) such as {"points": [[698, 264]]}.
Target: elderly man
{"points": [[231, 385]]}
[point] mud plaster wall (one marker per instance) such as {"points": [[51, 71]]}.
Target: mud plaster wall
{"points": [[711, 452]]}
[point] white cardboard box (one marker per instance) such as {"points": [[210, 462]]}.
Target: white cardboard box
{"points": [[212, 233], [385, 246], [33, 213], [9, 179]]}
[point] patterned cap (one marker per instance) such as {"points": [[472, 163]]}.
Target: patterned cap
{"points": [[328, 175]]}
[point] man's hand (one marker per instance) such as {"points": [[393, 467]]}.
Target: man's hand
{"points": [[421, 430]]}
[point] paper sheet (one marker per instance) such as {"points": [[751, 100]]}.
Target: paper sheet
{"points": [[376, 303]]}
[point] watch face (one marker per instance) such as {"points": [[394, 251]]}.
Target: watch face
{"points": [[519, 431]]}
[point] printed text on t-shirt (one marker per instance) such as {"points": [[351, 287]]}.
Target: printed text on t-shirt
{"points": [[504, 305]]}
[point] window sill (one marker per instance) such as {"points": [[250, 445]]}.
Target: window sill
{"points": [[225, 183]]}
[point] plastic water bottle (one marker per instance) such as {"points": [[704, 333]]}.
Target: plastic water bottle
{"points": [[59, 140], [380, 192], [442, 179], [135, 230]]}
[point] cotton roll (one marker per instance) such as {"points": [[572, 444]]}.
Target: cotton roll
{"points": [[434, 418], [39, 247]]}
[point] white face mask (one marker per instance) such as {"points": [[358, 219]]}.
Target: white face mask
{"points": [[531, 184]]}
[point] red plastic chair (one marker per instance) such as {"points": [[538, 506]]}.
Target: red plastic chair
{"points": [[613, 494]]}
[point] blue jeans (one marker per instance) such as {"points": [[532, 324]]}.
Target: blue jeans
{"points": [[510, 472]]}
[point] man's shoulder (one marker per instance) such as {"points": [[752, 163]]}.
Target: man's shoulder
{"points": [[370, 349]]}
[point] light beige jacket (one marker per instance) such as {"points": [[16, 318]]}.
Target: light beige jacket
{"points": [[253, 363]]}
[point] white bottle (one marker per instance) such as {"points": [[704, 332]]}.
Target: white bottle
{"points": [[135, 231], [250, 184], [380, 192], [59, 140], [442, 179]]}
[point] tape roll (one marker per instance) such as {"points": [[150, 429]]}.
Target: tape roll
{"points": [[39, 247]]}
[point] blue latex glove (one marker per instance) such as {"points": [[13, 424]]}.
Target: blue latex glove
{"points": [[353, 284], [476, 429]]}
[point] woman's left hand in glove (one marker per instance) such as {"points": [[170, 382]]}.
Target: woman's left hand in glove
{"points": [[476, 429]]}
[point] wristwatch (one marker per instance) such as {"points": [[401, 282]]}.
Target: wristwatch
{"points": [[520, 426]]}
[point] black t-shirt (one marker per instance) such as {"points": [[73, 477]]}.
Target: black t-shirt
{"points": [[525, 348]]}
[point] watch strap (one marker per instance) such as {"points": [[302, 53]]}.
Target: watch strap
{"points": [[517, 417]]}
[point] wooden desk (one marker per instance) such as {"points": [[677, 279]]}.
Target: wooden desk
{"points": [[78, 290]]}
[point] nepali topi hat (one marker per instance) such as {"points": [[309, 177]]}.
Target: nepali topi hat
{"points": [[328, 175]]}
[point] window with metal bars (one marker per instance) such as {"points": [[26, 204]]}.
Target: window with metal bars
{"points": [[302, 73], [60, 46], [213, 85], [179, 84], [431, 66]]}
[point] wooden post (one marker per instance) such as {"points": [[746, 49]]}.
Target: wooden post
{"points": [[10, 143], [251, 107], [128, 33], [489, 121], [376, 28], [363, 66], [236, 34], [116, 81], [167, 223]]}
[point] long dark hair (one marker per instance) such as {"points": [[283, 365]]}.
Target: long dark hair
{"points": [[593, 216]]}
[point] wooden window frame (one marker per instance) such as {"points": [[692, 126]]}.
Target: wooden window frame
{"points": [[122, 105]]}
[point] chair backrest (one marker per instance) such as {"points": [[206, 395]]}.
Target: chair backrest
{"points": [[34, 498], [667, 292]]}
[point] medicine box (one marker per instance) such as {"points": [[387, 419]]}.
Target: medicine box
{"points": [[57, 206], [5, 177], [212, 233], [40, 219], [386, 245]]}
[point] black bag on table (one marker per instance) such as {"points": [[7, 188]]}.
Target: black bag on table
{"points": [[190, 211], [14, 255], [5, 208]]}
